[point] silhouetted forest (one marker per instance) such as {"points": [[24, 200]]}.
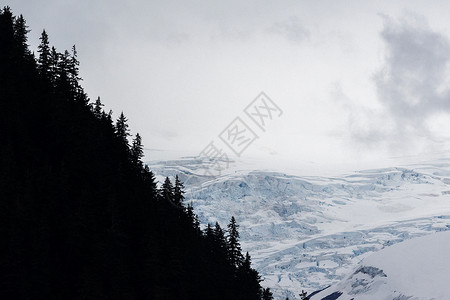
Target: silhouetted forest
{"points": [[81, 217]]}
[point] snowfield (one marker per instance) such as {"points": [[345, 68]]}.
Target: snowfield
{"points": [[415, 269], [309, 232]]}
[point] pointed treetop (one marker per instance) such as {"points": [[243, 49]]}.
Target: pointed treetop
{"points": [[97, 108], [20, 34], [178, 191], [44, 55], [137, 150], [122, 130], [234, 247]]}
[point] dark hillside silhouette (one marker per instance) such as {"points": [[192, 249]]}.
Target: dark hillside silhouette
{"points": [[81, 217]]}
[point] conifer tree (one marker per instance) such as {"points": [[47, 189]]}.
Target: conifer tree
{"points": [[137, 151], [63, 67], [97, 108], [7, 27], [8, 15], [44, 55], [267, 294], [193, 217], [149, 176], [246, 265], [122, 130], [20, 34], [234, 246], [167, 190], [209, 233], [108, 117], [74, 64], [220, 239], [73, 71], [53, 66], [178, 192], [62, 83], [211, 241], [304, 295], [249, 279], [64, 63]]}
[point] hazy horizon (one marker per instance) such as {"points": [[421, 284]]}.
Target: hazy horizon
{"points": [[356, 82]]}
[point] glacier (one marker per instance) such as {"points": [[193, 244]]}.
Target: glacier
{"points": [[414, 269], [310, 232]]}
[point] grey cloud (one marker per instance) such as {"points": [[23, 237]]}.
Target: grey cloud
{"points": [[291, 29], [411, 84], [365, 126], [177, 38], [231, 33]]}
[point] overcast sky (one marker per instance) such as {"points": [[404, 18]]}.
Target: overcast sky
{"points": [[356, 80]]}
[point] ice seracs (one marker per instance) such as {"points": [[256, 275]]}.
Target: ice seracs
{"points": [[309, 232]]}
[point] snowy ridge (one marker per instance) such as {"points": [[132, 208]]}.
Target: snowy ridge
{"points": [[308, 232], [415, 269]]}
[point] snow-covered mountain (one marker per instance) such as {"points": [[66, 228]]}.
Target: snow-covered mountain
{"points": [[309, 232], [415, 269]]}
